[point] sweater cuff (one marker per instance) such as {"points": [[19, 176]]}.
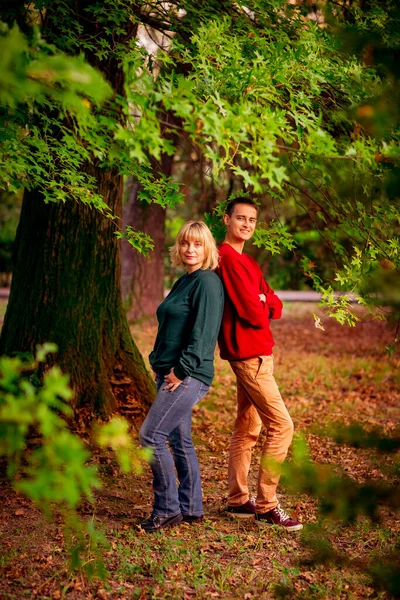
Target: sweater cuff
{"points": [[274, 306], [180, 373]]}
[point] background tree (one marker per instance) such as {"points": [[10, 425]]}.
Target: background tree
{"points": [[337, 160], [143, 275], [10, 208]]}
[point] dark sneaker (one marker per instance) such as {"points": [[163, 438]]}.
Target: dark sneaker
{"points": [[155, 523], [277, 516], [245, 511], [192, 518]]}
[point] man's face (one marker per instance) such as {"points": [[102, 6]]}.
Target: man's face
{"points": [[241, 224]]}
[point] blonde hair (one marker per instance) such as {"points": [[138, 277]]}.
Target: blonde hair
{"points": [[198, 232]]}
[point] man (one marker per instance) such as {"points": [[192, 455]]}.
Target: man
{"points": [[246, 341]]}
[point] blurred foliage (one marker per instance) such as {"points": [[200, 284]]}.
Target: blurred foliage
{"points": [[342, 501], [115, 435], [341, 498], [354, 435], [45, 461], [40, 89]]}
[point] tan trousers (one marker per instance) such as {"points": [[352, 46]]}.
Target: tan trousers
{"points": [[259, 403]]}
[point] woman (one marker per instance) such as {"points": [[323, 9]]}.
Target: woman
{"points": [[182, 360]]}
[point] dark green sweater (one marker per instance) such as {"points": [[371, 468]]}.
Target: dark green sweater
{"points": [[189, 321]]}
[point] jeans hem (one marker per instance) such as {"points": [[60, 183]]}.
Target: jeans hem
{"points": [[163, 516]]}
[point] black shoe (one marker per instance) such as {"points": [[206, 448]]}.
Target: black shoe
{"points": [[192, 518], [245, 511], [155, 523]]}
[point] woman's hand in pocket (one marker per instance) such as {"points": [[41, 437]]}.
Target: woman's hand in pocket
{"points": [[172, 381]]}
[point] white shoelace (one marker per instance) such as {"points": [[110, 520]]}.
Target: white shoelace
{"points": [[283, 515]]}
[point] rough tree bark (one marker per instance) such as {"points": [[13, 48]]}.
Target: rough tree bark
{"points": [[66, 281]]}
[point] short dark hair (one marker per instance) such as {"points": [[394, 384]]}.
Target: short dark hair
{"points": [[232, 203]]}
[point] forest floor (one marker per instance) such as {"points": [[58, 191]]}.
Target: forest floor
{"points": [[340, 374]]}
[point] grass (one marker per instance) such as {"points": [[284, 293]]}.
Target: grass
{"points": [[204, 563], [195, 559], [337, 375]]}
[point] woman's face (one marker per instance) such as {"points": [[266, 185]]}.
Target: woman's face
{"points": [[192, 254]]}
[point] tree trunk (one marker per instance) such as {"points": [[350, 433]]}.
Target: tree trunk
{"points": [[65, 289], [143, 278], [66, 285]]}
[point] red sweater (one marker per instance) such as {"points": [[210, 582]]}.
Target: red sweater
{"points": [[245, 331]]}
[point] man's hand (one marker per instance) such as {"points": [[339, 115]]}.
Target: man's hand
{"points": [[172, 381], [262, 297]]}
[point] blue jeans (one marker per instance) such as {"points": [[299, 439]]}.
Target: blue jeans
{"points": [[170, 418]]}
